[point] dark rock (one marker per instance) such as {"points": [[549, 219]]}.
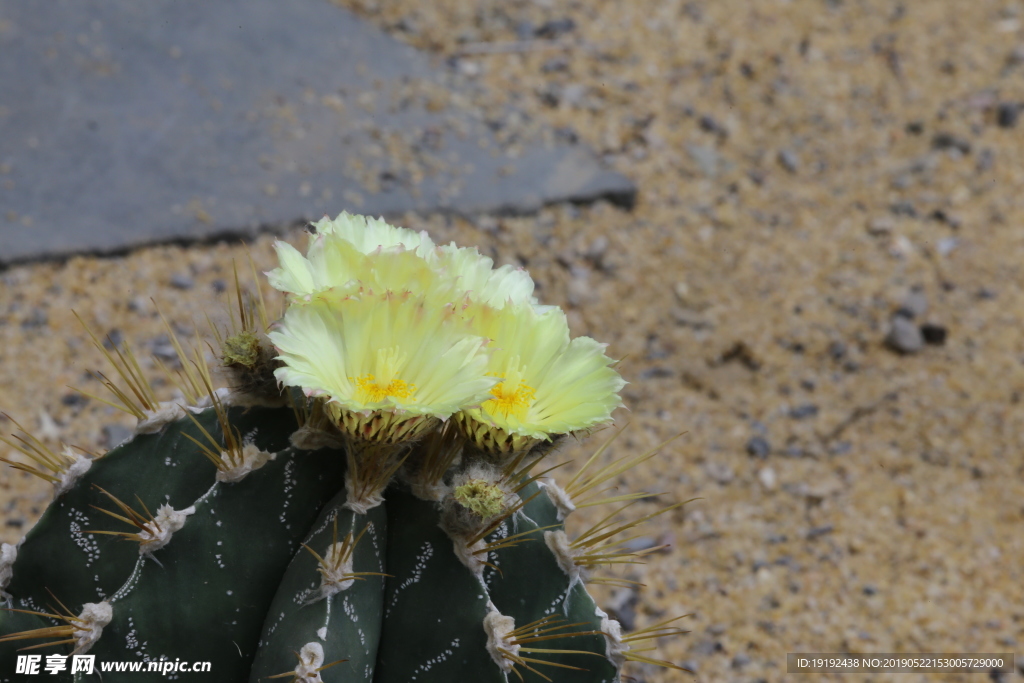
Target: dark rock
{"points": [[73, 399], [1007, 114], [903, 208], [219, 286], [934, 334], [904, 336], [759, 447], [180, 281], [740, 660], [868, 589], [803, 411], [915, 127], [947, 140], [837, 350], [115, 434], [555, 28], [16, 522], [986, 294], [709, 125]]}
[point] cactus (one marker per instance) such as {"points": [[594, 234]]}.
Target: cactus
{"points": [[366, 499]]}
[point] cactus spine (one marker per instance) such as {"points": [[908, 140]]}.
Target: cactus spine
{"points": [[365, 501]]}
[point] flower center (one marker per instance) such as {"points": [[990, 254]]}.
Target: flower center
{"points": [[510, 399], [372, 391]]}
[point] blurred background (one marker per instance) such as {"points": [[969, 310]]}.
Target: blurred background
{"points": [[798, 222]]}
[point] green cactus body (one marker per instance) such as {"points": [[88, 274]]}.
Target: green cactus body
{"points": [[344, 617], [358, 534]]}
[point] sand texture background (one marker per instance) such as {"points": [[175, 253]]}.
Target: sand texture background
{"points": [[812, 174]]}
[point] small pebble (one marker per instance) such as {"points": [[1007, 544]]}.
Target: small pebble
{"points": [[162, 348], [904, 336], [1007, 114], [934, 334], [820, 531], [555, 64], [947, 140], [881, 225], [915, 304], [740, 660], [113, 339], [986, 294], [903, 208], [709, 125], [759, 447], [73, 399], [706, 157], [37, 318], [555, 28], [840, 448], [767, 478], [180, 281], [720, 472], [789, 160], [803, 411], [986, 160]]}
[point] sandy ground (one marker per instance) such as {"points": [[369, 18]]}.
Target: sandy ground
{"points": [[811, 175]]}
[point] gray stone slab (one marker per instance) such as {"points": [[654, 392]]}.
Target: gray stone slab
{"points": [[125, 123]]}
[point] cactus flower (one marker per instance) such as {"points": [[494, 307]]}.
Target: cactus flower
{"points": [[390, 353], [549, 384]]}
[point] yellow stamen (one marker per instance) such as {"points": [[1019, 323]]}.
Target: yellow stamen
{"points": [[372, 391], [507, 401]]}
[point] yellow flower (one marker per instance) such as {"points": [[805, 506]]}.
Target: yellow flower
{"points": [[335, 265], [382, 353], [473, 274], [370, 234], [548, 385], [350, 252]]}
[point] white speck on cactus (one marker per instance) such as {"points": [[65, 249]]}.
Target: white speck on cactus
{"points": [[8, 553], [615, 649], [69, 477], [252, 459], [558, 543], [311, 658], [321, 633], [559, 498], [155, 420], [499, 630], [157, 533], [468, 556], [89, 625], [335, 573], [417, 573]]}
